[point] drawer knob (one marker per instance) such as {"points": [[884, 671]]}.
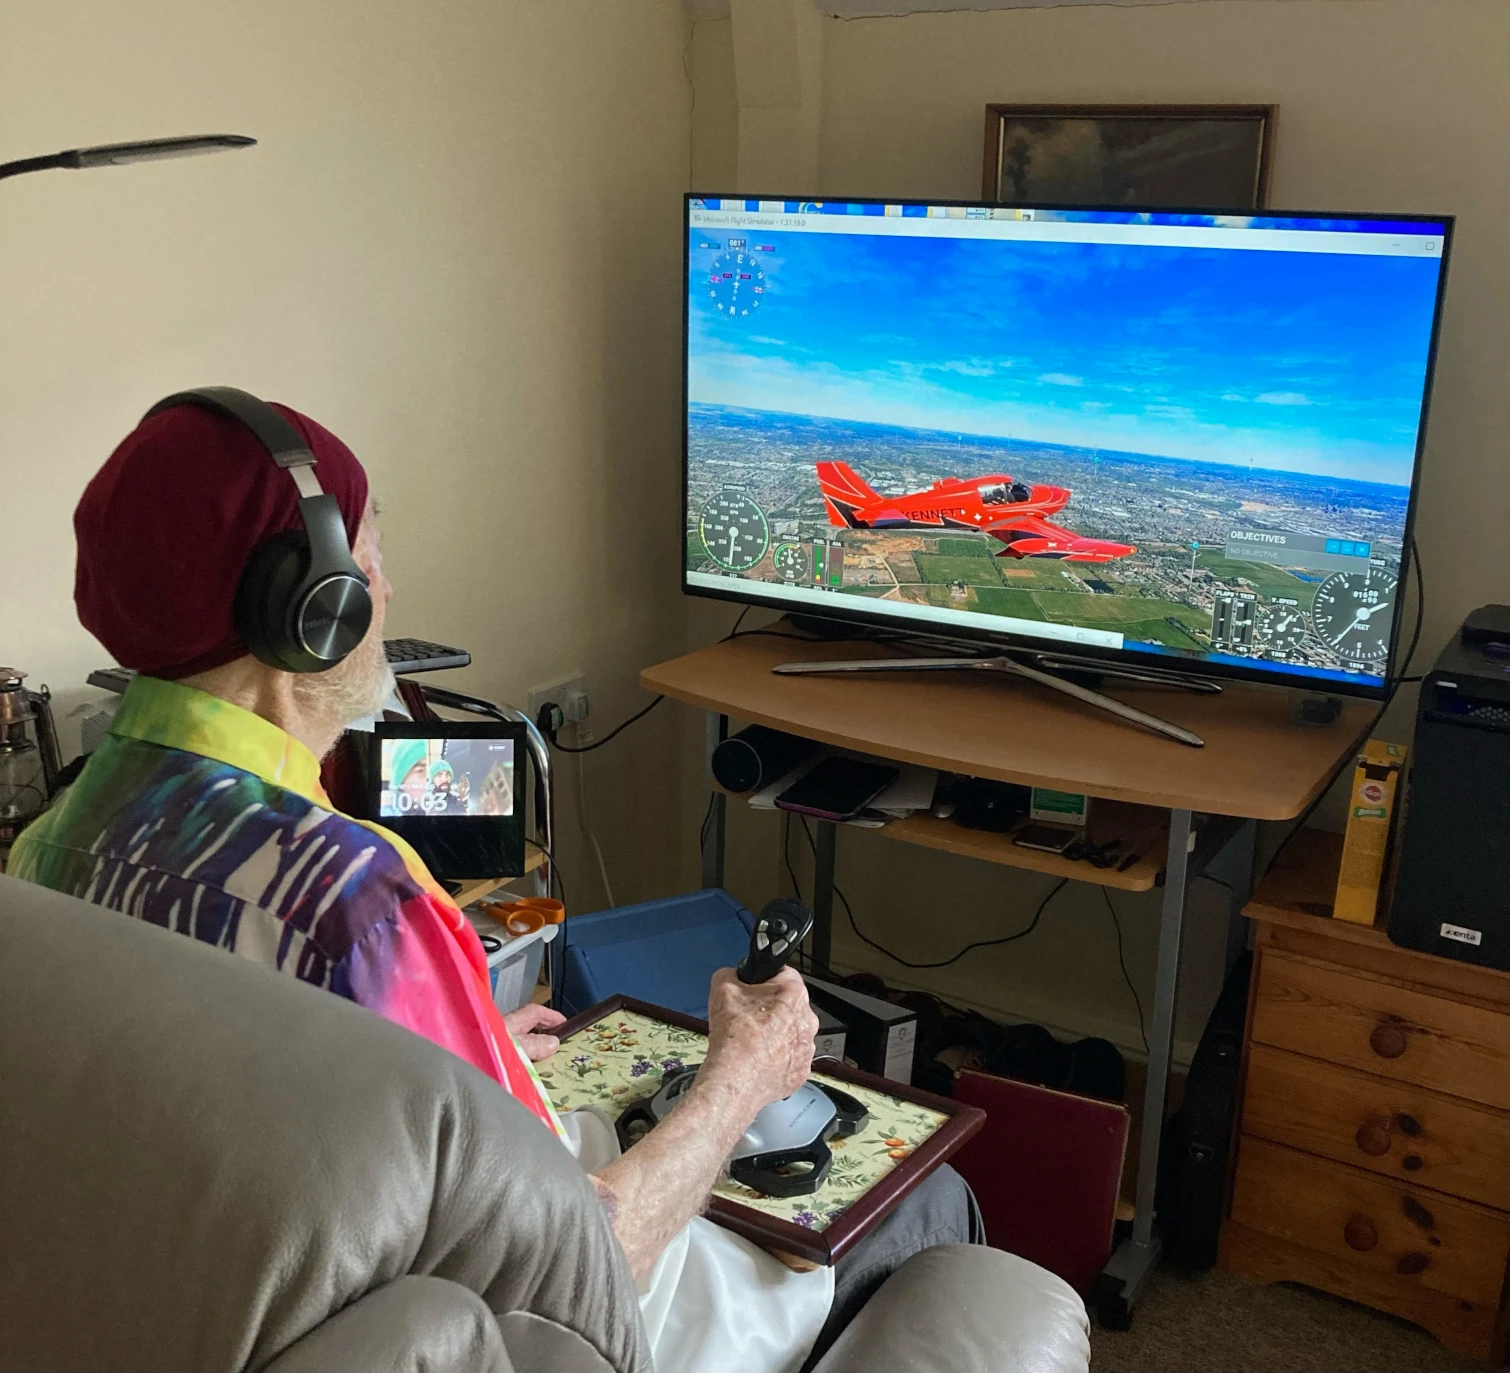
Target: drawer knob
{"points": [[1412, 1263], [1373, 1138], [1360, 1234], [1388, 1041], [1417, 1214]]}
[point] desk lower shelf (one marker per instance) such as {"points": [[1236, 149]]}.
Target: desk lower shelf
{"points": [[1143, 830]]}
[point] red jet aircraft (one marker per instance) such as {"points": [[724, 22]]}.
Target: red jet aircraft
{"points": [[996, 505]]}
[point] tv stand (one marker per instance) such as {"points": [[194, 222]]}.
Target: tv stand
{"points": [[1007, 666], [1258, 764]]}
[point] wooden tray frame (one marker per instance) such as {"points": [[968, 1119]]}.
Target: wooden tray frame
{"points": [[823, 1247]]}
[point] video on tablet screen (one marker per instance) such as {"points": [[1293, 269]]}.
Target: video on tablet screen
{"points": [[440, 777]]}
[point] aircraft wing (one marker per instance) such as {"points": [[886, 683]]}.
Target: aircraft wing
{"points": [[1031, 536]]}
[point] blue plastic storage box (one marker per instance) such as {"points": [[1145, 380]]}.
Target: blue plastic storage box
{"points": [[664, 952]]}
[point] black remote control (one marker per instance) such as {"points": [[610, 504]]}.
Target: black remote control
{"points": [[780, 928]]}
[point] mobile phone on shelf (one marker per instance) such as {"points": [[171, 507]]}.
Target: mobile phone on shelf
{"points": [[1048, 838], [837, 789]]}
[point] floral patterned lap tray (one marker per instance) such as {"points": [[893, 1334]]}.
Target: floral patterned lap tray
{"points": [[616, 1054]]}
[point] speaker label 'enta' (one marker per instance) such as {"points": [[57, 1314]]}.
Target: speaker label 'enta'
{"points": [[1461, 935]]}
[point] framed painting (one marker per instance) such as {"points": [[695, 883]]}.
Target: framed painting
{"points": [[1212, 157], [615, 1054]]}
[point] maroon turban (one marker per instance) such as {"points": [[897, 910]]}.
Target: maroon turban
{"points": [[166, 527]]}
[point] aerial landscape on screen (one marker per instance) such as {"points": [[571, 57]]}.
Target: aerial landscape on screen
{"points": [[1207, 452]]}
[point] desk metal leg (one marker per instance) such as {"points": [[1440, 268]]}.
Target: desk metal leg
{"points": [[822, 942], [713, 829], [1244, 851], [1123, 1277]]}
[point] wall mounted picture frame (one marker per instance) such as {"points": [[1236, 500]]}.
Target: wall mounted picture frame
{"points": [[1206, 156]]}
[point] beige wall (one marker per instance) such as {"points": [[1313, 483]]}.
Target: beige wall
{"points": [[715, 108], [1385, 105], [457, 245]]}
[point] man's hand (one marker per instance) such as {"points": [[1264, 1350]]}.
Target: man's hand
{"points": [[760, 1038], [524, 1023], [760, 1049]]}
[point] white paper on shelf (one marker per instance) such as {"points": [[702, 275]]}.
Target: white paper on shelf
{"points": [[912, 791]]}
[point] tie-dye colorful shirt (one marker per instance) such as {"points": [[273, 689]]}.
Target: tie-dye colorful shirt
{"points": [[206, 819]]}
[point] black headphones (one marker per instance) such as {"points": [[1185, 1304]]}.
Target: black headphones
{"points": [[302, 603]]}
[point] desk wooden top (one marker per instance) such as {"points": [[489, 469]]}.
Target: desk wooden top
{"points": [[1257, 763]]}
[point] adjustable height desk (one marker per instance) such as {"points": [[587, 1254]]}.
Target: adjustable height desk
{"points": [[1257, 765]]}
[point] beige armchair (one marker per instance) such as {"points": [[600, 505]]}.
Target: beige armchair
{"points": [[206, 1166]]}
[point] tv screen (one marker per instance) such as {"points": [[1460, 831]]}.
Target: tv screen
{"points": [[1193, 438]]}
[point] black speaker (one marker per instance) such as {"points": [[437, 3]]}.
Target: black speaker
{"points": [[1452, 890], [757, 756], [1198, 1139]]}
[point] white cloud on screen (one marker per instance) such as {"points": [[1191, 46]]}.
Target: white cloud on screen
{"points": [[1283, 398]]}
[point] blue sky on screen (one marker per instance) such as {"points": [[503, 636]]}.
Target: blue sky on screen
{"points": [[1305, 362]]}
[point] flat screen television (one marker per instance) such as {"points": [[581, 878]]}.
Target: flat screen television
{"points": [[1182, 440]]}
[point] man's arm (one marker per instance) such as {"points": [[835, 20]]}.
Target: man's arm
{"points": [[760, 1049]]}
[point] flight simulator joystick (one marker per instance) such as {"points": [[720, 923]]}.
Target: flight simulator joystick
{"points": [[785, 1151], [781, 926]]}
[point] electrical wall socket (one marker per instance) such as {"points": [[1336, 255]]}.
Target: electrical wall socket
{"points": [[570, 693]]}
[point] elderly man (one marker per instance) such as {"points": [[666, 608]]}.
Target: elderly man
{"points": [[203, 812]]}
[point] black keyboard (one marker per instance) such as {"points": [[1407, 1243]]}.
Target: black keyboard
{"points": [[111, 679], [418, 655]]}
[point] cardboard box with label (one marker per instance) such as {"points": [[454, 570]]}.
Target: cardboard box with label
{"points": [[1365, 845]]}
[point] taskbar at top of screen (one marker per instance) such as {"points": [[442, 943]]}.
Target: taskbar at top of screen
{"points": [[1174, 219], [928, 623]]}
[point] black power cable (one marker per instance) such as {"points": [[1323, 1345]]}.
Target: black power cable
{"points": [[809, 963], [1122, 963], [550, 734], [544, 725], [1415, 638], [558, 956], [786, 856], [969, 948], [555, 871], [702, 833]]}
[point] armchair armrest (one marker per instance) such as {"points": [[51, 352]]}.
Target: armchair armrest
{"points": [[413, 1324], [959, 1308]]}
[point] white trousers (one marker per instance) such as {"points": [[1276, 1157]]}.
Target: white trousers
{"points": [[714, 1301]]}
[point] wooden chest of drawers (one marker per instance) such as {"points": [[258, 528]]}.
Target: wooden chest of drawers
{"points": [[1373, 1153]]}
